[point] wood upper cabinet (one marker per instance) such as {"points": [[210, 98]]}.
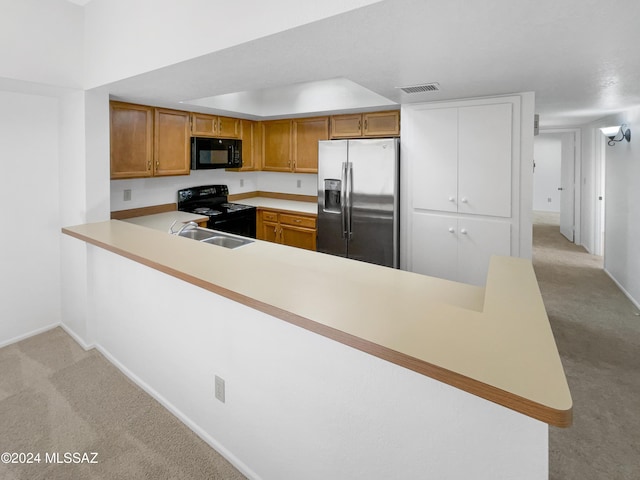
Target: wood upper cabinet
{"points": [[292, 229], [292, 145], [148, 141], [251, 136], [276, 145], [372, 124], [172, 141], [131, 140], [307, 133], [213, 126]]}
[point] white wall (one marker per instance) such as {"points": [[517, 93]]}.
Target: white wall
{"points": [[29, 190], [298, 405], [546, 178], [124, 38], [155, 191], [622, 193], [41, 41]]}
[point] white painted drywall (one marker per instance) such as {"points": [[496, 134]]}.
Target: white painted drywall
{"points": [[41, 41], [298, 405], [546, 179], [622, 216], [124, 38], [160, 190], [29, 190]]}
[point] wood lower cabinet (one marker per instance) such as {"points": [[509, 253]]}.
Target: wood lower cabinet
{"points": [[372, 124], [148, 141], [292, 229]]}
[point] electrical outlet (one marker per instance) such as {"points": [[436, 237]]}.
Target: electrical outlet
{"points": [[242, 182], [298, 183], [127, 195], [220, 389], [549, 199]]}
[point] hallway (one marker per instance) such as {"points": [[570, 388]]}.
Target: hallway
{"points": [[597, 331]]}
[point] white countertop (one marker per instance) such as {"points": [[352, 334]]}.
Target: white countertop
{"points": [[494, 342], [278, 204]]}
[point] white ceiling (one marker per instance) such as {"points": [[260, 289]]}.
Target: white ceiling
{"points": [[579, 56]]}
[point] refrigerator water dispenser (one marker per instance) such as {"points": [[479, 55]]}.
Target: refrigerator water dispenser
{"points": [[332, 191]]}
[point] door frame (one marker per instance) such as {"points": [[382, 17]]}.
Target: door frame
{"points": [[577, 176]]}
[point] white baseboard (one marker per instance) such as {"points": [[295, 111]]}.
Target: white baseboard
{"points": [[633, 300], [24, 336], [76, 337], [213, 443]]}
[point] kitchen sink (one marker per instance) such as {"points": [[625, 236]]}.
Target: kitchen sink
{"points": [[227, 241], [214, 237], [196, 233]]}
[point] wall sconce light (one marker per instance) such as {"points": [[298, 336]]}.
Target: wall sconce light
{"points": [[616, 134]]}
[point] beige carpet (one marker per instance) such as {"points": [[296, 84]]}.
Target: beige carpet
{"points": [[57, 398], [598, 335]]}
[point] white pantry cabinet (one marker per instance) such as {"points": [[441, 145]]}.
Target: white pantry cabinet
{"points": [[463, 246], [465, 185], [464, 159]]}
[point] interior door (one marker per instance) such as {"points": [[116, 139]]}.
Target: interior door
{"points": [[567, 186]]}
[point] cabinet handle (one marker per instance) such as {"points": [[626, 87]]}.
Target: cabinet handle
{"points": [[366, 122], [463, 231], [451, 230], [464, 200], [359, 124], [149, 165], [452, 199]]}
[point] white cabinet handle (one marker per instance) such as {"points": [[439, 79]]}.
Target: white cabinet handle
{"points": [[464, 200], [463, 231], [451, 230], [452, 199]]}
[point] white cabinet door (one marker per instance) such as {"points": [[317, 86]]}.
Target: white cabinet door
{"points": [[477, 241], [484, 159], [434, 159], [456, 248], [434, 246]]}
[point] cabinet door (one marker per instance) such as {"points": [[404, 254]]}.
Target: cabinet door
{"points": [[298, 237], [434, 159], [205, 125], [228, 127], [381, 124], [434, 245], [276, 145], [307, 133], [172, 143], [249, 137], [484, 159], [269, 232], [477, 241], [131, 140], [346, 126]]}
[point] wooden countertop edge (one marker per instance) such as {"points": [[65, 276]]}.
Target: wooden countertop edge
{"points": [[544, 413], [292, 212]]}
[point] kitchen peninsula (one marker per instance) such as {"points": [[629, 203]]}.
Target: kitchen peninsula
{"points": [[494, 343]]}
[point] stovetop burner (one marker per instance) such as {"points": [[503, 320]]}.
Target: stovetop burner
{"points": [[210, 212]]}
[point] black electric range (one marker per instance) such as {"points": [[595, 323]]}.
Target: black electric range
{"points": [[211, 200]]}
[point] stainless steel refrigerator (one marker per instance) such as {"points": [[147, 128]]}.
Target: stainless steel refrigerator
{"points": [[358, 199]]}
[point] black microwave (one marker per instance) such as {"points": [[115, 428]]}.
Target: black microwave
{"points": [[215, 153]]}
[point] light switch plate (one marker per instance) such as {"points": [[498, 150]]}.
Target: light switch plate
{"points": [[220, 389]]}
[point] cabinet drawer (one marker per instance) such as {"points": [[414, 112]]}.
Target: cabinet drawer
{"points": [[308, 222], [269, 216]]}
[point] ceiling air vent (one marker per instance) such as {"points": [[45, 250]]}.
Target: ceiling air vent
{"points": [[427, 87]]}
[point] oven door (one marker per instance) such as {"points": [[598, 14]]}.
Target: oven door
{"points": [[244, 224]]}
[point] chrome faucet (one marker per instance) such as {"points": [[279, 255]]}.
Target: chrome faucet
{"points": [[186, 226]]}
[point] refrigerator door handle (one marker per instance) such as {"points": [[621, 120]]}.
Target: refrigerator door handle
{"points": [[343, 199], [349, 205]]}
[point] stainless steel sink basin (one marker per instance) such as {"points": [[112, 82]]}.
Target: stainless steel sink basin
{"points": [[214, 237], [196, 233], [227, 241]]}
